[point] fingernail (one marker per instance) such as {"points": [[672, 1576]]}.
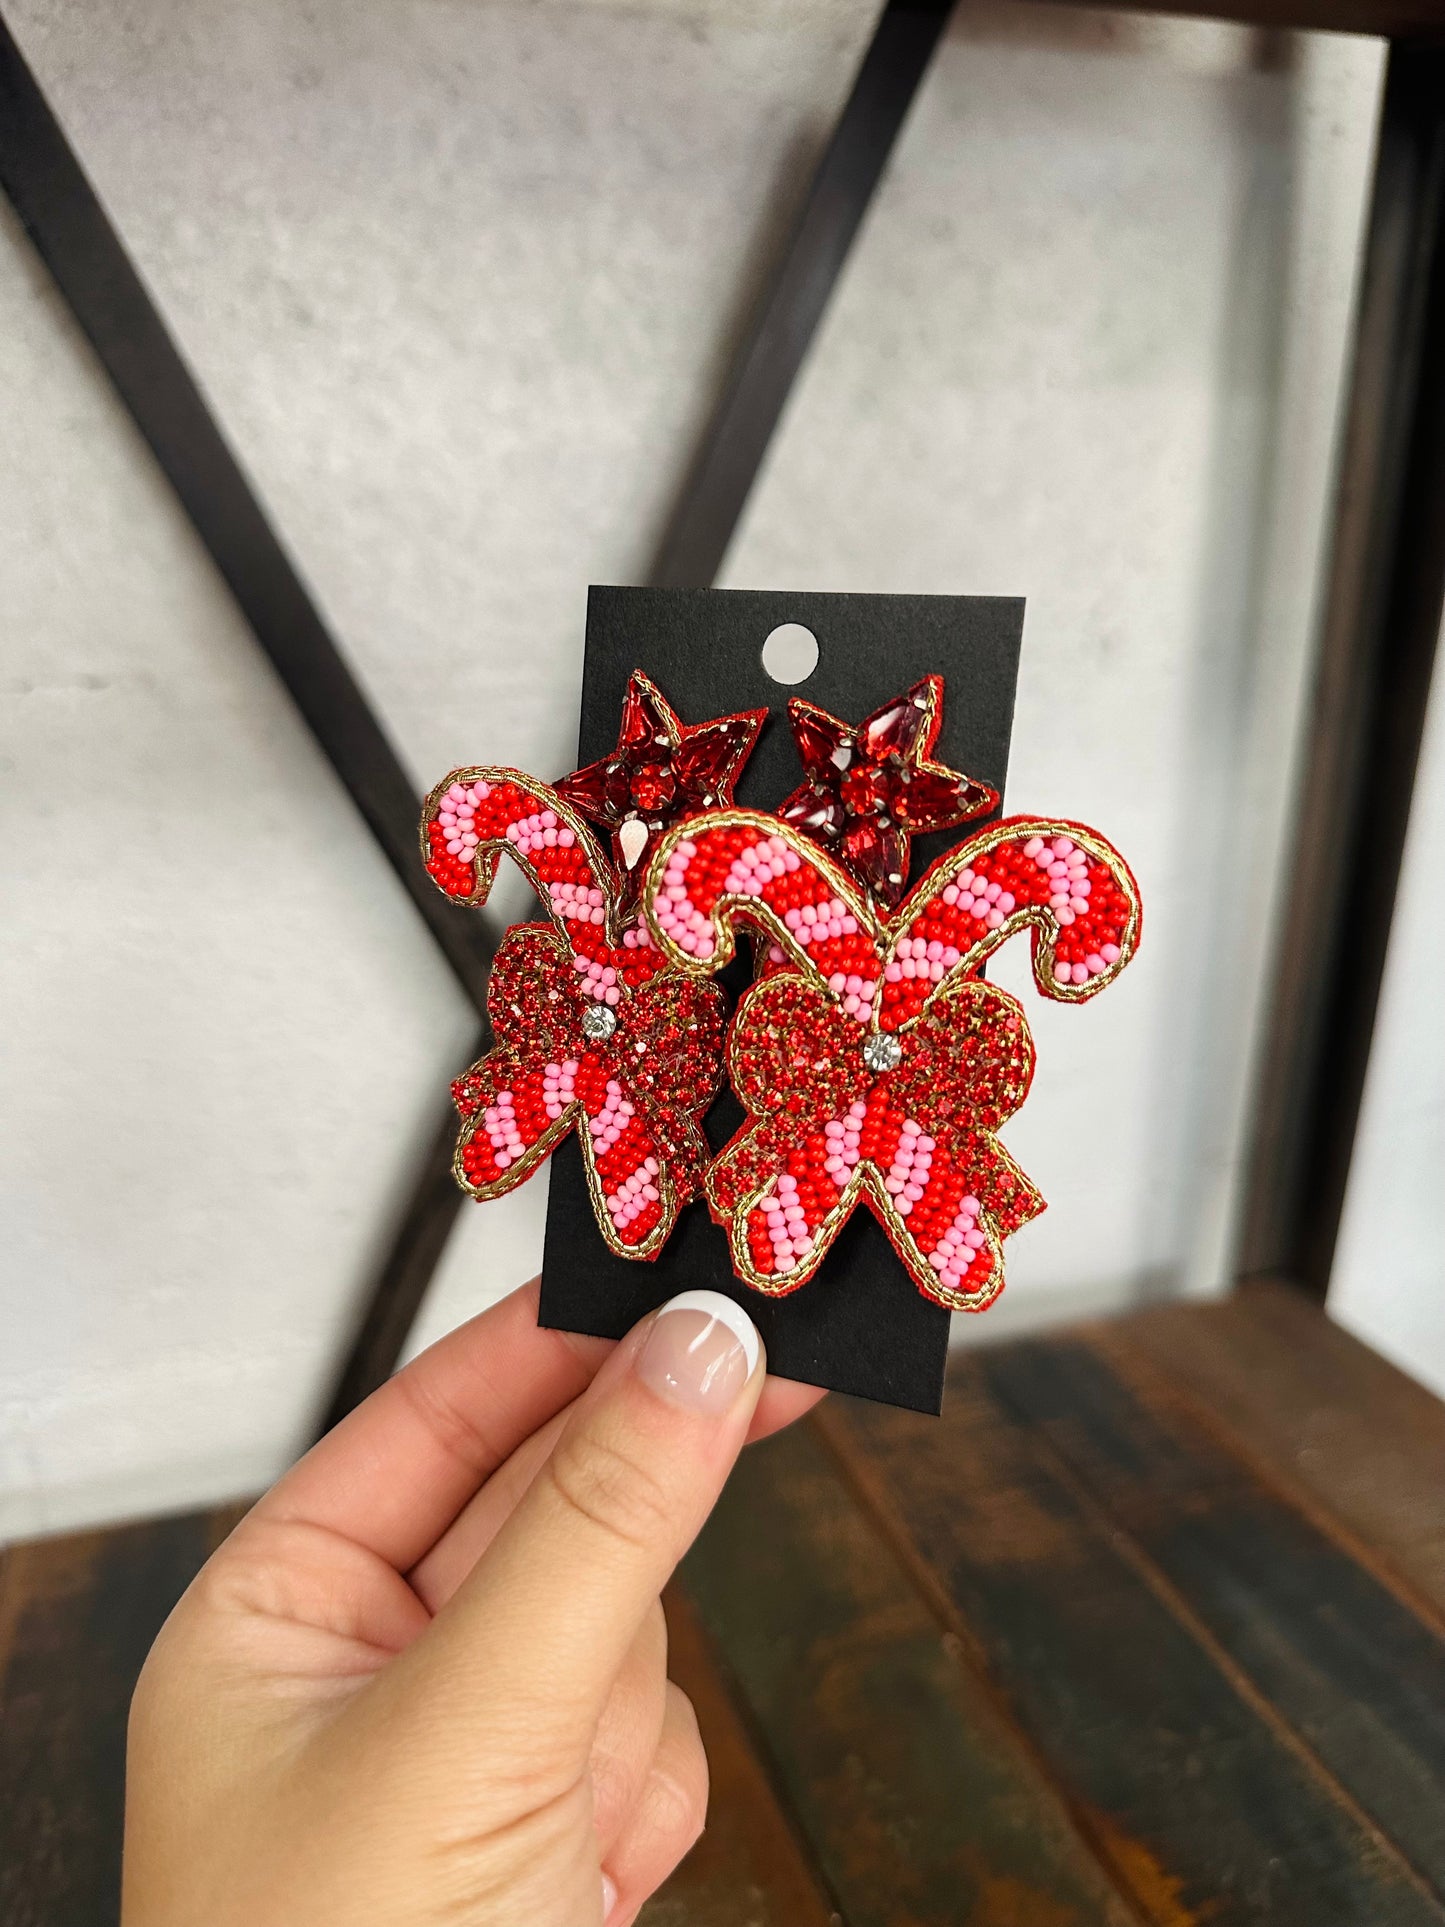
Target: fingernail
{"points": [[609, 1898], [700, 1353]]}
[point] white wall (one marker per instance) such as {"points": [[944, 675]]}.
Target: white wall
{"points": [[1388, 1284], [460, 280]]}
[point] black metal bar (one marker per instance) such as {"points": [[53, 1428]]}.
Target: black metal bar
{"points": [[701, 528], [401, 1283], [737, 438], [73, 236], [1386, 594], [1415, 20]]}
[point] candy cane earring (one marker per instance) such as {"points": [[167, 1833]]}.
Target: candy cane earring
{"points": [[875, 1062], [595, 1030]]}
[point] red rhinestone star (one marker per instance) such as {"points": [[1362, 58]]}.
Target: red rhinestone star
{"points": [[661, 771], [870, 789]]}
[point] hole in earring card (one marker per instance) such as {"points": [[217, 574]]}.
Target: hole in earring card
{"points": [[790, 653]]}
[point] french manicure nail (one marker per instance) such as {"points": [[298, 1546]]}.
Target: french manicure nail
{"points": [[700, 1353]]}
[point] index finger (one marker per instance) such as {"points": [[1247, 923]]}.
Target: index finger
{"points": [[446, 1564], [395, 1472]]}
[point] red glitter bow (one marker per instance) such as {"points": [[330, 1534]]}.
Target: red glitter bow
{"points": [[594, 1031], [875, 1062]]}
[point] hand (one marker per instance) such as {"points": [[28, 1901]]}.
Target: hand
{"points": [[423, 1681]]}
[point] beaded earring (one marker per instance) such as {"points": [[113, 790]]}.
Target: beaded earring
{"points": [[875, 1062], [595, 1029]]}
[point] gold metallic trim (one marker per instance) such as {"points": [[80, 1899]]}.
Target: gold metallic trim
{"points": [[484, 858]]}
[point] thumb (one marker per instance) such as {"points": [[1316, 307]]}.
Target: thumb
{"points": [[548, 1616]]}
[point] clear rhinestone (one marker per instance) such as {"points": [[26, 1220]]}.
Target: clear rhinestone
{"points": [[882, 1051], [632, 837], [598, 1022]]}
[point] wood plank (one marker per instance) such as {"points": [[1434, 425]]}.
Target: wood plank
{"points": [[1333, 1651], [748, 1870], [1205, 1810], [1328, 1417], [78, 1617], [920, 1803]]}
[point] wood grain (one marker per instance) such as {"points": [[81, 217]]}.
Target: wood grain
{"points": [[921, 1804], [749, 1869], [77, 1617], [1148, 1631], [1340, 1659], [1203, 1806], [1321, 1412]]}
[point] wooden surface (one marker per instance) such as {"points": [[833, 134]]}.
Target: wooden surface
{"points": [[1147, 1631], [77, 1616]]}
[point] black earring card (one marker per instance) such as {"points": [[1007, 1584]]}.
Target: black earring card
{"points": [[860, 1324]]}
